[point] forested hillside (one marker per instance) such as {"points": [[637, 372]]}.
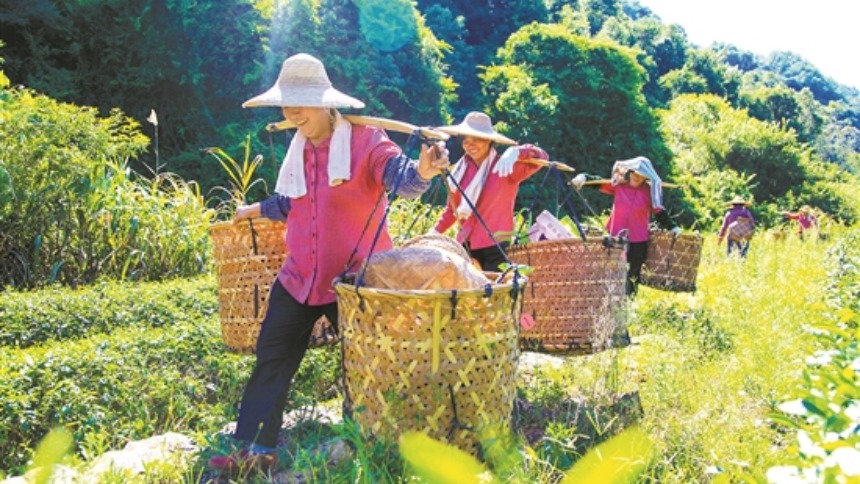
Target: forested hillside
{"points": [[195, 62]]}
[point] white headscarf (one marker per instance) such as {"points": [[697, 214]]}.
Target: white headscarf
{"points": [[291, 177], [643, 166]]}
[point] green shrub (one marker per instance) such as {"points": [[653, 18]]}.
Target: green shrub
{"points": [[70, 209]]}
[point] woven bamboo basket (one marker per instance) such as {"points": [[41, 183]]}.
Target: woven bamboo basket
{"points": [[248, 256], [672, 262], [441, 362], [575, 301]]}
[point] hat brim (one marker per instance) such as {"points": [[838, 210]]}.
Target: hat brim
{"points": [[309, 97], [466, 130], [738, 202]]}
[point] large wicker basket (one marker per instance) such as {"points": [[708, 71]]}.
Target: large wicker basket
{"points": [[442, 362], [248, 256], [575, 301], [672, 262]]}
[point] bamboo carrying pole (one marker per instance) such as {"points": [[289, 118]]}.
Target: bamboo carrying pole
{"points": [[604, 182], [403, 127], [389, 124], [557, 164]]}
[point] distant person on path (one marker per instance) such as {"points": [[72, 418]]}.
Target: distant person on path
{"points": [[738, 225], [806, 220], [638, 193], [333, 176], [490, 180]]}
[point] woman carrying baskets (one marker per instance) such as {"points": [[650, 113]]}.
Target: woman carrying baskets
{"points": [[489, 183], [332, 178], [634, 202], [738, 225]]}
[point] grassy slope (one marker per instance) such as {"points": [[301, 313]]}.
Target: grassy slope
{"points": [[706, 407]]}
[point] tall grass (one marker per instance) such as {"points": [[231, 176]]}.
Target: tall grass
{"points": [[708, 406]]}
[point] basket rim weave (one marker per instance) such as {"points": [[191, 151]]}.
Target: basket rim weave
{"points": [[588, 238], [229, 223], [432, 293]]}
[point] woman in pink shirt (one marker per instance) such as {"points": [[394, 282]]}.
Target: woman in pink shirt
{"points": [[805, 219], [490, 181], [634, 203], [332, 178], [738, 225]]}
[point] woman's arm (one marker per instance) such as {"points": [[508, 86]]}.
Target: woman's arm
{"points": [[276, 207], [416, 174]]}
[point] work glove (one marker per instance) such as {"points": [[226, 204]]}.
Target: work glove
{"points": [[578, 181], [505, 165], [676, 231]]}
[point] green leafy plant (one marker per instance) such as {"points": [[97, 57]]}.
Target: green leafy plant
{"points": [[241, 175]]}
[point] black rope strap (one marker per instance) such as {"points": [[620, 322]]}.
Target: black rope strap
{"points": [[455, 422], [477, 216]]}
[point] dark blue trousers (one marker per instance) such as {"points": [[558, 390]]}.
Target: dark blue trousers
{"points": [[281, 346]]}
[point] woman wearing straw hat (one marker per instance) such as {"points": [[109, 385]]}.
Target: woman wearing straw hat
{"points": [[806, 220], [738, 225], [489, 182], [633, 204], [331, 180]]}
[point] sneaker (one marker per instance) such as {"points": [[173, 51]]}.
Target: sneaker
{"points": [[244, 461]]}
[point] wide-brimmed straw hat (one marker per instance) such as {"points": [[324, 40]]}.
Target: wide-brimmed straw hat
{"points": [[478, 125], [739, 200], [303, 82]]}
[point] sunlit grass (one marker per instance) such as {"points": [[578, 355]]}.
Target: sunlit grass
{"points": [[707, 408]]}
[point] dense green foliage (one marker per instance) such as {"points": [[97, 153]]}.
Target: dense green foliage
{"points": [[71, 211], [190, 61], [569, 94], [194, 63], [721, 151]]}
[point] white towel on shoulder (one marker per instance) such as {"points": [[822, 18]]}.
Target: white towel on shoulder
{"points": [[473, 191], [291, 177]]}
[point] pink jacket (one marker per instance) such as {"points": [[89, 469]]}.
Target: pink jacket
{"points": [[496, 203], [631, 210], [323, 226], [806, 220]]}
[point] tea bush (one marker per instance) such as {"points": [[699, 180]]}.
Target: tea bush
{"points": [[58, 313], [142, 373]]}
